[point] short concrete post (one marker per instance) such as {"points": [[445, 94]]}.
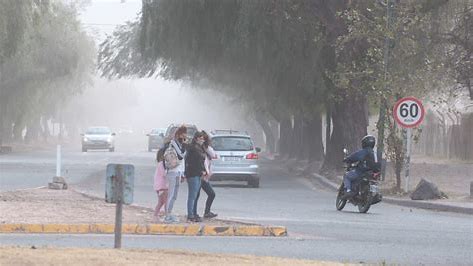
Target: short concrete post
{"points": [[59, 182], [58, 160]]}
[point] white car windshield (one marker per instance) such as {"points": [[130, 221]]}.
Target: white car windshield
{"points": [[98, 131]]}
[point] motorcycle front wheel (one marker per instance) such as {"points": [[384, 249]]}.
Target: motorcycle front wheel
{"points": [[340, 204], [364, 206]]}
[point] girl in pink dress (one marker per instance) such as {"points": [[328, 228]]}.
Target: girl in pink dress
{"points": [[161, 188]]}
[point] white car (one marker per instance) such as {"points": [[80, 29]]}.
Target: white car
{"points": [[237, 157], [98, 138]]}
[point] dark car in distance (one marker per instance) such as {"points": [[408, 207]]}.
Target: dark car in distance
{"points": [[155, 138]]}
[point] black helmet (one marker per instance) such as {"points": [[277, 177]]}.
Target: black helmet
{"points": [[368, 141]]}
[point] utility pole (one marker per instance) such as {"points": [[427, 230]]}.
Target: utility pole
{"points": [[383, 102]]}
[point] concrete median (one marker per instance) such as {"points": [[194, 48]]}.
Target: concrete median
{"points": [[150, 229]]}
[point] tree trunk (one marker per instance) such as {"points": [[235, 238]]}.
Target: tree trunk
{"points": [[44, 128], [18, 129], [350, 122], [2, 107], [2, 122], [268, 133], [470, 89], [328, 128], [33, 131], [274, 126], [296, 140], [284, 142], [314, 139], [306, 140], [380, 126], [398, 170]]}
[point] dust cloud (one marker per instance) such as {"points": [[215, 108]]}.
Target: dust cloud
{"points": [[134, 107]]}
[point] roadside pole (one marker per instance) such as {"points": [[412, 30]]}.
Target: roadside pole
{"points": [[58, 160], [119, 185], [119, 206], [408, 156]]}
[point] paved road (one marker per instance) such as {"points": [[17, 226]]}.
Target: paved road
{"points": [[317, 231]]}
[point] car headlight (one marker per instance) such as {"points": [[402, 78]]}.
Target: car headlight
{"points": [[86, 139], [109, 140]]}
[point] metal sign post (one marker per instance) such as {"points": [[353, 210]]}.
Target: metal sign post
{"points": [[408, 113], [119, 208], [119, 190], [408, 156]]}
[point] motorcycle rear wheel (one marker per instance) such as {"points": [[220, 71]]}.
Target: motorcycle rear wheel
{"points": [[340, 204]]}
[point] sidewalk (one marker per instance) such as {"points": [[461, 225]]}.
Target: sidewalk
{"points": [[42, 210]]}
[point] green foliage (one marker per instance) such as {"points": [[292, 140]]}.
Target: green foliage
{"points": [[46, 62], [299, 57]]}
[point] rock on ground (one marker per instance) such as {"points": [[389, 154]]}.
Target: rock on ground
{"points": [[426, 190]]}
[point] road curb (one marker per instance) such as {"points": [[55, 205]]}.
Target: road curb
{"points": [[149, 229], [401, 202]]}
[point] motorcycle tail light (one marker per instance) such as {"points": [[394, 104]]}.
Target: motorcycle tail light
{"points": [[376, 176]]}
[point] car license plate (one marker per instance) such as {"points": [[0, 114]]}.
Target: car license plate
{"points": [[374, 188], [231, 158]]}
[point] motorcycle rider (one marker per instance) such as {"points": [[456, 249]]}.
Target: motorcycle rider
{"points": [[367, 161]]}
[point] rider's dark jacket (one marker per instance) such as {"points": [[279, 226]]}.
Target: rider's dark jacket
{"points": [[366, 160]]}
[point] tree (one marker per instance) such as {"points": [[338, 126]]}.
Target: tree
{"points": [[290, 61], [52, 62]]}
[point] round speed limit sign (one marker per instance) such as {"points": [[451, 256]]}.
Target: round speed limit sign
{"points": [[409, 112]]}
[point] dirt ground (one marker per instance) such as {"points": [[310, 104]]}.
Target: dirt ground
{"points": [[45, 206], [452, 177], [75, 256]]}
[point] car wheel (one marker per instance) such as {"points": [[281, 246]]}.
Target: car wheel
{"points": [[84, 149], [254, 182]]}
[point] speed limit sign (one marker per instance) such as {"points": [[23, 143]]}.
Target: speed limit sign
{"points": [[409, 112]]}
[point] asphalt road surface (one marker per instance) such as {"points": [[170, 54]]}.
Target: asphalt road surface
{"points": [[388, 233]]}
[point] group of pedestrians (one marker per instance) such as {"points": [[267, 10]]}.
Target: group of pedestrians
{"points": [[177, 162]]}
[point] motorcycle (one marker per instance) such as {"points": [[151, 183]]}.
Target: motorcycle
{"points": [[366, 190]]}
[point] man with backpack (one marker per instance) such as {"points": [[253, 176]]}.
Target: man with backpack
{"points": [[173, 158]]}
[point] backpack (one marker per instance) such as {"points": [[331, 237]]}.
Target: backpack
{"points": [[161, 151], [171, 159]]}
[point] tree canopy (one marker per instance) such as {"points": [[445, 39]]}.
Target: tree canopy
{"points": [[45, 58], [293, 61]]}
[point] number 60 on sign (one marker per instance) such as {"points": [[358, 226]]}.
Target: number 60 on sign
{"points": [[408, 112]]}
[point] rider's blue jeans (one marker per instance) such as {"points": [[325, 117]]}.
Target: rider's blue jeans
{"points": [[350, 177]]}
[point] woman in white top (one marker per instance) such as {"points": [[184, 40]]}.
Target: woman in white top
{"points": [[175, 175], [210, 155]]}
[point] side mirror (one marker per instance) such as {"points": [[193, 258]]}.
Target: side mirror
{"points": [[258, 149], [147, 135], [161, 135], [82, 134], [114, 134]]}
